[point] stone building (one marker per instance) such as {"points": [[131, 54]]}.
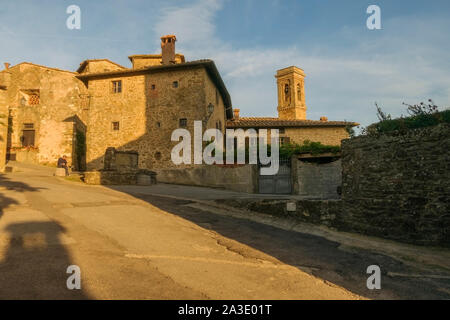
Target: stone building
{"points": [[136, 110], [291, 122], [107, 116], [44, 110]]}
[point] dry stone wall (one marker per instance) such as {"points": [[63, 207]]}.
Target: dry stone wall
{"points": [[398, 185]]}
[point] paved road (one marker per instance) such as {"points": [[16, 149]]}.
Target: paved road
{"points": [[133, 243]]}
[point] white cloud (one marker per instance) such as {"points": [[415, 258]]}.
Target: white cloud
{"points": [[389, 69]]}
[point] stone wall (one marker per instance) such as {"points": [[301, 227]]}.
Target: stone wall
{"points": [[59, 105], [320, 212], [326, 135], [105, 177], [3, 124], [316, 179], [148, 110], [241, 178], [397, 185]]}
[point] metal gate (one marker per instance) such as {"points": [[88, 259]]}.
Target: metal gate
{"points": [[280, 183]]}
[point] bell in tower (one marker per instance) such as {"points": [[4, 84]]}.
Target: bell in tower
{"points": [[291, 93]]}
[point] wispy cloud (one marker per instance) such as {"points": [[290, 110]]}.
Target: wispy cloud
{"points": [[390, 68], [348, 68]]}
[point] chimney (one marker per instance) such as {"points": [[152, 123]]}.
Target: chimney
{"points": [[323, 119], [7, 64], [236, 114], [168, 49]]}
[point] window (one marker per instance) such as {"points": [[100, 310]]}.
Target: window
{"points": [[281, 130], [158, 155], [284, 140], [217, 97], [175, 84], [153, 86], [28, 126], [117, 86], [116, 125], [158, 124], [183, 123], [33, 100]]}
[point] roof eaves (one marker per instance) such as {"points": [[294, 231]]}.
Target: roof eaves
{"points": [[208, 64]]}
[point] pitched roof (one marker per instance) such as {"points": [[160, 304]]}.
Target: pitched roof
{"points": [[266, 122], [85, 62], [153, 56], [209, 65], [40, 66]]}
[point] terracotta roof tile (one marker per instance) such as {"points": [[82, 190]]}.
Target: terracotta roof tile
{"points": [[266, 122]]}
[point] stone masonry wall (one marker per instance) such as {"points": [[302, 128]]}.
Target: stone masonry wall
{"points": [[397, 186], [148, 110], [3, 128], [325, 135], [53, 118]]}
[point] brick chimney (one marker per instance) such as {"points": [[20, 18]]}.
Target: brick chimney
{"points": [[7, 64], [236, 114], [168, 49]]}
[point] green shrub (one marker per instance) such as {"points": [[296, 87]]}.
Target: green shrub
{"points": [[421, 115]]}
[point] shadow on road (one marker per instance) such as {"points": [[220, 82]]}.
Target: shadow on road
{"points": [[312, 254], [35, 263], [10, 185]]}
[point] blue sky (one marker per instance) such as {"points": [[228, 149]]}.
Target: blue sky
{"points": [[348, 67]]}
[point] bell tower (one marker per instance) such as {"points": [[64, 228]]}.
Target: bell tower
{"points": [[291, 93]]}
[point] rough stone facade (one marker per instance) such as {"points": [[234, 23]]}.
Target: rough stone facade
{"points": [[397, 185], [150, 106], [45, 109], [325, 135], [4, 82], [105, 105], [291, 93]]}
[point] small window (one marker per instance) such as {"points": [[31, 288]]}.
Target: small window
{"points": [[281, 130], [284, 140], [158, 155], [153, 86], [116, 125], [117, 86], [158, 124], [33, 100], [175, 84], [183, 123], [217, 97], [28, 126]]}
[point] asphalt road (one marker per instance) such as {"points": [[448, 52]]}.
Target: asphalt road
{"points": [[133, 244]]}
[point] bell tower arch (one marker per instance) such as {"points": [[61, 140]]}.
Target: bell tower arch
{"points": [[291, 93]]}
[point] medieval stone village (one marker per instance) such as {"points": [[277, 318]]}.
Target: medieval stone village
{"points": [[86, 157]]}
